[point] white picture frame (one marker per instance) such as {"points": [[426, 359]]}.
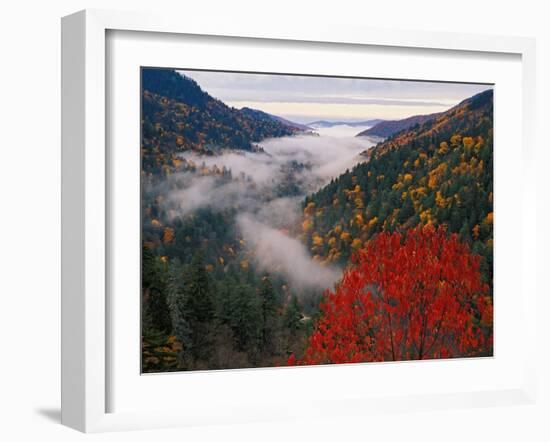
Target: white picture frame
{"points": [[85, 197]]}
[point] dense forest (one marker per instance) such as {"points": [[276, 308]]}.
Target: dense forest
{"points": [[205, 305], [178, 116], [440, 172], [208, 302]]}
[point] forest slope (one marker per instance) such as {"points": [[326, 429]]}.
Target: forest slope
{"points": [[439, 172], [178, 116]]}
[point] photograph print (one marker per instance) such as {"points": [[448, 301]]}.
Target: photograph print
{"points": [[294, 220]]}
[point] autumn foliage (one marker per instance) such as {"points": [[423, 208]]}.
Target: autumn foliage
{"points": [[417, 295]]}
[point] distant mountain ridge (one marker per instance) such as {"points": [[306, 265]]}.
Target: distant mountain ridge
{"points": [[325, 123], [256, 113], [385, 129], [299, 126]]}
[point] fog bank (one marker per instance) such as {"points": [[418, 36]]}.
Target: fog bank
{"points": [[275, 251]]}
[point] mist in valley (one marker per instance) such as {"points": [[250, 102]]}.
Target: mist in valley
{"points": [[265, 191]]}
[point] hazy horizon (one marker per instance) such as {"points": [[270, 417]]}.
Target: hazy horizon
{"points": [[305, 99]]}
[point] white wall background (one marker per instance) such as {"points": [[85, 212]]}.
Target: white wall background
{"points": [[30, 215]]}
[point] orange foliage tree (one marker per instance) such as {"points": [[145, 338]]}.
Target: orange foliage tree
{"points": [[408, 296]]}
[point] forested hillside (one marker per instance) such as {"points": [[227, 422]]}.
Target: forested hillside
{"points": [[204, 303], [242, 266], [178, 116], [439, 172]]}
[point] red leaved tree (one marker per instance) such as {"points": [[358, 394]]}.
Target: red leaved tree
{"points": [[412, 296]]}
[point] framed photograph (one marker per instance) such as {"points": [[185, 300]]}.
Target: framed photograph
{"points": [[285, 223]]}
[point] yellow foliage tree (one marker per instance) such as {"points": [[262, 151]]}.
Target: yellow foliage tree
{"points": [[168, 235], [436, 175], [307, 225], [468, 142], [317, 240], [309, 209], [455, 140], [440, 200]]}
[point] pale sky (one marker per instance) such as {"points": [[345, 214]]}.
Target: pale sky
{"points": [[304, 99]]}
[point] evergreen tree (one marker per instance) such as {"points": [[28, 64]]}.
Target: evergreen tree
{"points": [[178, 305], [200, 309], [245, 318], [192, 309], [292, 317], [154, 293], [269, 311]]}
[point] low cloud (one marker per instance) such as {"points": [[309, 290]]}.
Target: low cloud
{"points": [[324, 157], [281, 213], [208, 191], [275, 251], [261, 180], [260, 167], [327, 156]]}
